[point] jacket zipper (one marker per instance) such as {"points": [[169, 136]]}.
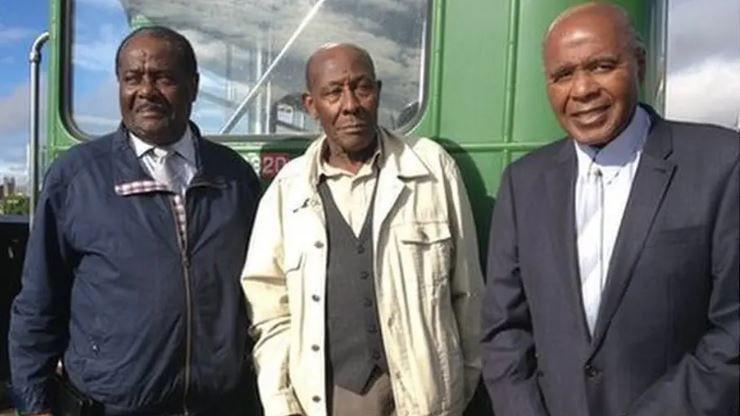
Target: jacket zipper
{"points": [[188, 301]]}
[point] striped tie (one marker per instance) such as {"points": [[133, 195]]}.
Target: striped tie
{"points": [[590, 225], [166, 171], [173, 166]]}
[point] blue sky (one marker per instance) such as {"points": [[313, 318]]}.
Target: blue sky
{"points": [[19, 26], [703, 66]]}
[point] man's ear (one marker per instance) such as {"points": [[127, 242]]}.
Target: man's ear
{"points": [[640, 57], [195, 83], [379, 84], [309, 105]]}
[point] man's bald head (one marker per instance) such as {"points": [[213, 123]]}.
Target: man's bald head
{"points": [[610, 14], [343, 95], [330, 48]]}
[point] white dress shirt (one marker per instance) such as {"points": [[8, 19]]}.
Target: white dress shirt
{"points": [[183, 160], [616, 164]]}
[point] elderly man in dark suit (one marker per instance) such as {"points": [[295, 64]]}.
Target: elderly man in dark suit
{"points": [[613, 263]]}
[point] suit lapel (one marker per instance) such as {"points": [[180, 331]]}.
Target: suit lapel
{"points": [[651, 181], [559, 211]]}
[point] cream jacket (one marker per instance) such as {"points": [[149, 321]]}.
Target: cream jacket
{"points": [[428, 283]]}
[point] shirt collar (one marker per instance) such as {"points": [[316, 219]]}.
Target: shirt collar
{"points": [[327, 170], [617, 153], [184, 147]]}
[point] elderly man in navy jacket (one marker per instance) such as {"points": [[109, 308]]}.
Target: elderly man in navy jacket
{"points": [[132, 272]]}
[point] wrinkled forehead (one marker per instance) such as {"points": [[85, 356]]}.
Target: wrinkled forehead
{"points": [[149, 49]]}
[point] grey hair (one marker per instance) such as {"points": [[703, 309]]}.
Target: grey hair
{"points": [[180, 44]]}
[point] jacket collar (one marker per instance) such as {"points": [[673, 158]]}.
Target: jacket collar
{"points": [[184, 146], [399, 161], [658, 144], [622, 150], [401, 158], [130, 178]]}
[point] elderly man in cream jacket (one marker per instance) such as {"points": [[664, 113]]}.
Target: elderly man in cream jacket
{"points": [[363, 279]]}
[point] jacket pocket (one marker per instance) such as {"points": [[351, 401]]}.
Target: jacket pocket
{"points": [[292, 262], [293, 269], [426, 251], [678, 236], [425, 233]]}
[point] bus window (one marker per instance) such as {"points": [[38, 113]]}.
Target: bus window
{"points": [[251, 56]]}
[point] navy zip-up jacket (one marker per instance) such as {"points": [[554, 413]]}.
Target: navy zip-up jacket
{"points": [[141, 324]]}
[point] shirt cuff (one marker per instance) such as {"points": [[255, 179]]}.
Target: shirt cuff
{"points": [[283, 403]]}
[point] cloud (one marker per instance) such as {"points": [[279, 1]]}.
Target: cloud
{"points": [[97, 112], [14, 132], [14, 153], [707, 92], [96, 51], [16, 169], [13, 156], [14, 34], [14, 111], [14, 125], [698, 30], [227, 42]]}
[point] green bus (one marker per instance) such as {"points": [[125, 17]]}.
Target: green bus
{"points": [[467, 73]]}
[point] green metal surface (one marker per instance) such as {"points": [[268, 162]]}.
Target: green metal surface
{"points": [[485, 89]]}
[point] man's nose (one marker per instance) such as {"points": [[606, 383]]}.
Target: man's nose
{"points": [[147, 88], [584, 86], [350, 103]]}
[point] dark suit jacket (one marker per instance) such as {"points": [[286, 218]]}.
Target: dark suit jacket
{"points": [[667, 335]]}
